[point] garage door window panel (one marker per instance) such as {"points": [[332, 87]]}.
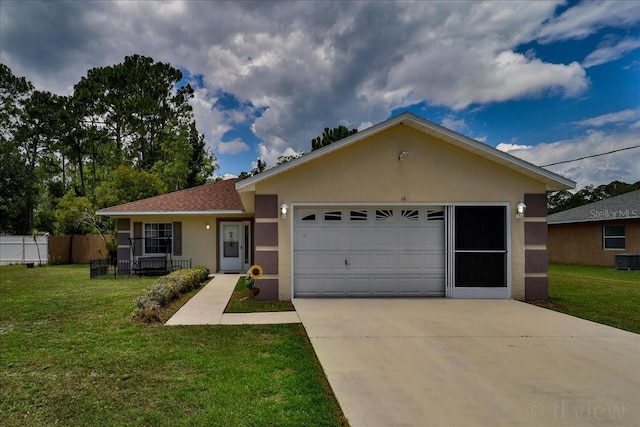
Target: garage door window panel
{"points": [[410, 215], [359, 215], [384, 215], [435, 215], [306, 215], [333, 216]]}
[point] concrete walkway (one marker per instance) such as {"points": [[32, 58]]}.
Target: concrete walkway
{"points": [[437, 362], [207, 307]]}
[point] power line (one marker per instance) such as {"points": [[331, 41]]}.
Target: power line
{"points": [[591, 156]]}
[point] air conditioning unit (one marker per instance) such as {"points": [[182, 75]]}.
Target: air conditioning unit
{"points": [[628, 262]]}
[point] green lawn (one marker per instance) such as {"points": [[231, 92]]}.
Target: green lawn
{"points": [[602, 294], [242, 301], [70, 355]]}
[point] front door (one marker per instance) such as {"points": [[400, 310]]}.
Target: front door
{"points": [[235, 246]]}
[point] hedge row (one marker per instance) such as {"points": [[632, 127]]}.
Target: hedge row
{"points": [[166, 289]]}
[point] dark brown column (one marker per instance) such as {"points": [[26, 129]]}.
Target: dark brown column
{"points": [[266, 241]]}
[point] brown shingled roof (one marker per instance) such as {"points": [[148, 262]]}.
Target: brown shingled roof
{"points": [[214, 196]]}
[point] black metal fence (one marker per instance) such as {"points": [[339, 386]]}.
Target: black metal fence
{"points": [[99, 267], [102, 268]]}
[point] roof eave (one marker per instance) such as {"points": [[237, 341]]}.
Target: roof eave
{"points": [[156, 213], [580, 221]]}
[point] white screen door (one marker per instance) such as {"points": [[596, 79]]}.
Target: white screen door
{"points": [[234, 238]]}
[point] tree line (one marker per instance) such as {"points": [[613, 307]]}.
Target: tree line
{"points": [[125, 133], [329, 136], [562, 200]]}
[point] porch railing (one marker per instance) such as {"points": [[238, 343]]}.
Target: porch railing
{"points": [[102, 268]]}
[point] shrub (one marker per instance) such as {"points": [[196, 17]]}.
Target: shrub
{"points": [[204, 272], [166, 289], [162, 293], [147, 309]]}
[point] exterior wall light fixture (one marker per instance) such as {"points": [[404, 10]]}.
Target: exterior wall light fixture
{"points": [[207, 226], [520, 209], [284, 208]]}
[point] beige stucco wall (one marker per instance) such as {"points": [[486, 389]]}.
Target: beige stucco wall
{"points": [[198, 243], [369, 172], [581, 243]]}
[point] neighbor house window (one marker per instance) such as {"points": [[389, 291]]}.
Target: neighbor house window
{"points": [[613, 236], [157, 238]]}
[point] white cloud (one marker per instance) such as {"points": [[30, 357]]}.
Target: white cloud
{"points": [[482, 138], [452, 123], [479, 76], [606, 54], [364, 125], [508, 147], [232, 147], [621, 166], [312, 65], [270, 154], [624, 116], [226, 176], [588, 17], [209, 121]]}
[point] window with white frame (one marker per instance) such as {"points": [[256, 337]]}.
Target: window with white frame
{"points": [[158, 238], [613, 236]]}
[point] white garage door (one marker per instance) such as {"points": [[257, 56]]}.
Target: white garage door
{"points": [[362, 252]]}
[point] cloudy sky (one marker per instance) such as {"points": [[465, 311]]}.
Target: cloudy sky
{"points": [[546, 81]]}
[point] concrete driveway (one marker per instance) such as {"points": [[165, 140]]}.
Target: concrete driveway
{"points": [[436, 362]]}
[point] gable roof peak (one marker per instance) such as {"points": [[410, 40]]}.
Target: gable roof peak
{"points": [[552, 180]]}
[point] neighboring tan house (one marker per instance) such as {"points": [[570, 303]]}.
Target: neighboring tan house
{"points": [[404, 208], [594, 234]]}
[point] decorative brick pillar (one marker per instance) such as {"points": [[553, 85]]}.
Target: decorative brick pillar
{"points": [[265, 237], [536, 259]]}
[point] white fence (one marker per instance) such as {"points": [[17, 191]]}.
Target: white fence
{"points": [[23, 249]]}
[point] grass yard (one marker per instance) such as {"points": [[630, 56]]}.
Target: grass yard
{"points": [[70, 355], [242, 301], [601, 294]]}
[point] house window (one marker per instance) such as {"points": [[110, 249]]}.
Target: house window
{"points": [[158, 238], [613, 236]]}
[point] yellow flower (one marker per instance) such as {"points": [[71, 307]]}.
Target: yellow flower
{"points": [[255, 272]]}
